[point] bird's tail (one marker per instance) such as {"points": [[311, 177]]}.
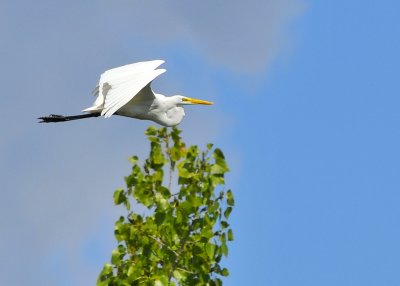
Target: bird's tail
{"points": [[61, 118]]}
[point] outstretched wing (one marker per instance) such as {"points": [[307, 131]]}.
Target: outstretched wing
{"points": [[120, 85]]}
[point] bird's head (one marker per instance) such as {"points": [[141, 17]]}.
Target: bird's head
{"points": [[183, 100], [168, 111]]}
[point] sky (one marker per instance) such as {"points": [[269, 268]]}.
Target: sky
{"points": [[306, 110]]}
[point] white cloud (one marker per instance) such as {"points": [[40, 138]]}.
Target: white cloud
{"points": [[243, 36]]}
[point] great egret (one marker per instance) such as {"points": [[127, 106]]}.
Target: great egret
{"points": [[127, 91]]}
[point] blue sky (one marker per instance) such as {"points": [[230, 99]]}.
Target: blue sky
{"points": [[307, 101]]}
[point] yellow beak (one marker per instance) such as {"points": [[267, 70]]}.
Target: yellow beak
{"points": [[197, 101]]}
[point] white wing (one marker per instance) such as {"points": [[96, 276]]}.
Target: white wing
{"points": [[119, 85]]}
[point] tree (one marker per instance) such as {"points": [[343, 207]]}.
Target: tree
{"points": [[181, 236]]}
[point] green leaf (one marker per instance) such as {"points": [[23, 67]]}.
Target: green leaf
{"points": [[162, 203], [230, 235], [119, 196], [176, 154], [144, 195], [225, 272], [194, 200], [179, 275], [183, 172], [127, 204], [158, 175], [131, 270], [230, 199], [107, 270], [227, 212], [133, 160], [210, 249], [160, 217], [217, 169], [151, 131], [224, 224], [217, 179], [224, 249], [116, 256], [156, 155], [207, 233], [186, 207], [220, 166]]}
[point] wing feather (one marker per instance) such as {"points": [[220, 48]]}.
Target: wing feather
{"points": [[127, 71], [122, 92], [134, 68], [119, 85]]}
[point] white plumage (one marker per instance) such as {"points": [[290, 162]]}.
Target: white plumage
{"points": [[126, 91]]}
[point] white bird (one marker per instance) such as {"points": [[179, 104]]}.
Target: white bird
{"points": [[126, 91]]}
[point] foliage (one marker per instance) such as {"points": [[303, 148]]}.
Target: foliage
{"points": [[181, 237]]}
